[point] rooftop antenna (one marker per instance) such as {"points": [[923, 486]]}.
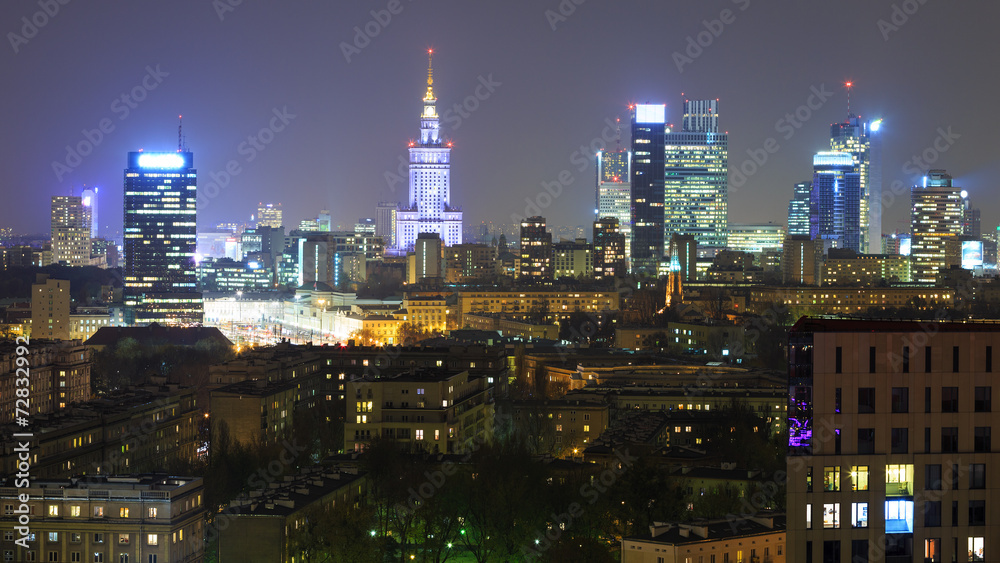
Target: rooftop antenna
{"points": [[180, 135], [849, 86], [618, 137]]}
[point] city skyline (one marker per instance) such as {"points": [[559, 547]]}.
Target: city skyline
{"points": [[498, 79]]}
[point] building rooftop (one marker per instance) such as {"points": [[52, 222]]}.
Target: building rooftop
{"points": [[158, 334], [293, 492], [138, 482], [700, 531], [839, 324]]}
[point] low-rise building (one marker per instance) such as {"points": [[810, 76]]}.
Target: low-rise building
{"points": [[140, 429], [844, 267], [553, 302], [264, 524], [58, 374], [759, 539], [432, 410], [560, 427], [253, 412], [144, 518], [800, 301]]}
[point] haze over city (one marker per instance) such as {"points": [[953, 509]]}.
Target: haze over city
{"points": [[557, 79]]}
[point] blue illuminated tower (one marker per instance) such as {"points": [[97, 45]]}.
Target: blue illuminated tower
{"points": [[429, 209], [160, 238], [649, 123], [835, 204]]}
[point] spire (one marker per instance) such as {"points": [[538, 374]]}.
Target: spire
{"points": [[429, 97], [849, 85]]}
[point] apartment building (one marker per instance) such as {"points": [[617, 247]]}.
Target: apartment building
{"points": [[140, 519], [890, 453]]}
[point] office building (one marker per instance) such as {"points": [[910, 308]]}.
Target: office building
{"points": [[614, 190], [269, 215], [573, 259], [835, 202], [536, 251], [890, 455], [862, 140], [71, 231], [146, 518], [756, 238], [365, 226], [465, 263], [649, 123], [848, 268], [426, 261], [50, 308], [610, 254], [798, 209], [160, 238], [88, 197], [385, 222], [429, 208], [801, 260], [936, 221], [696, 178]]}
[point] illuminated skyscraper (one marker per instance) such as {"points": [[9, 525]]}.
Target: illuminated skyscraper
{"points": [[385, 222], [695, 200], [835, 202], [269, 215], [429, 209], [536, 251], [89, 199], [160, 238], [70, 220], [614, 190], [609, 249], [648, 137], [936, 221], [862, 140], [798, 209]]}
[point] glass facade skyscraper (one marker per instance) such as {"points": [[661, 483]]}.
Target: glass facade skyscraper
{"points": [[649, 124], [836, 201], [936, 221], [160, 239], [614, 190], [862, 140], [696, 177], [798, 209]]}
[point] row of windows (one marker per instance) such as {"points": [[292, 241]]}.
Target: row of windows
{"points": [[896, 547], [900, 440], [903, 360], [76, 556], [900, 400], [898, 478]]}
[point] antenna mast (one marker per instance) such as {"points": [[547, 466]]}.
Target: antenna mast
{"points": [[180, 128]]}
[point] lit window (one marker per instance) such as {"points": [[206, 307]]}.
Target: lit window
{"points": [[53, 510], [831, 515], [151, 539], [123, 512], [859, 514]]}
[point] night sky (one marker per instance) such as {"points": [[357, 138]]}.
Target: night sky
{"points": [[228, 69]]}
